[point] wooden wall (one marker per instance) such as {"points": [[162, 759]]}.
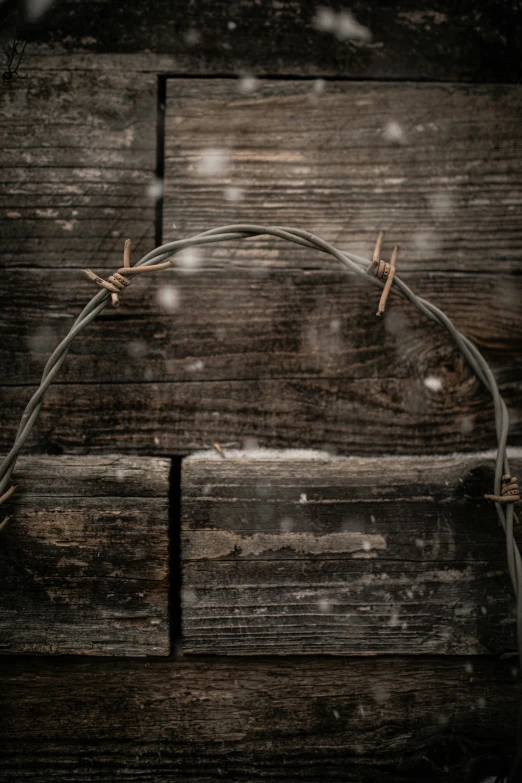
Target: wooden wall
{"points": [[337, 614]]}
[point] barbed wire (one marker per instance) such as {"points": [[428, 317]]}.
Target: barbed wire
{"points": [[505, 488]]}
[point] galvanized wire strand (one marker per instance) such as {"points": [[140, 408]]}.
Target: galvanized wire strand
{"points": [[359, 266]]}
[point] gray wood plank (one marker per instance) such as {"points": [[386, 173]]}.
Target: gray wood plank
{"points": [[77, 158], [83, 560], [398, 719], [416, 40], [342, 555], [437, 166]]}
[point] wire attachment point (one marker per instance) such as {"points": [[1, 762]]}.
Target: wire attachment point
{"points": [[509, 492], [383, 270]]}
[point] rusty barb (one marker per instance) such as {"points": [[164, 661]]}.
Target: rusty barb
{"points": [[118, 281], [3, 498], [383, 270], [509, 493]]}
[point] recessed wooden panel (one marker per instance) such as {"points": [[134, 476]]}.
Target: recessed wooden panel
{"points": [[395, 719], [342, 555], [83, 560], [76, 167], [436, 166]]}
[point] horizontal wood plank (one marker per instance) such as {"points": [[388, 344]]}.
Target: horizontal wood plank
{"points": [[417, 40], [342, 555], [76, 167], [401, 719], [339, 414], [437, 166], [83, 560]]}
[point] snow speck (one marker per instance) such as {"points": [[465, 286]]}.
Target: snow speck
{"points": [[250, 444], [380, 694], [343, 25], [302, 498], [394, 619], [393, 133], [189, 259], [120, 475], [137, 348], [212, 162], [318, 86], [231, 25], [155, 189], [43, 341], [420, 543], [467, 424], [360, 710], [247, 84], [286, 524], [468, 667], [168, 298], [34, 9], [324, 605], [433, 383], [189, 597], [233, 194], [195, 366], [366, 545], [192, 37], [336, 714], [156, 440]]}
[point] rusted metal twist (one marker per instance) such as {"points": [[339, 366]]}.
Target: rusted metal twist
{"points": [[383, 270], [119, 280], [509, 493]]}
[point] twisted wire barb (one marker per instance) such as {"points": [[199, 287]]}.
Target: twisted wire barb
{"points": [[374, 274]]}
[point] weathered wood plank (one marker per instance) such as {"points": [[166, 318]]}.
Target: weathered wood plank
{"points": [[416, 40], [83, 561], [342, 415], [77, 158], [400, 719], [342, 555], [230, 325], [438, 166]]}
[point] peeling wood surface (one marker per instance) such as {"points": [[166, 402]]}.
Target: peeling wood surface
{"points": [[437, 166], [83, 560], [78, 155], [343, 555], [399, 719], [414, 40]]}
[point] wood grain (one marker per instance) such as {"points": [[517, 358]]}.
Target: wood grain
{"points": [[343, 415], [83, 560], [436, 166], [416, 40], [355, 556], [78, 156], [400, 719], [241, 325]]}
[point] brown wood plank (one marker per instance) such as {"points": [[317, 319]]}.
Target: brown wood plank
{"points": [[231, 325], [77, 158], [437, 166], [83, 560], [360, 415], [416, 40], [283, 555], [400, 719]]}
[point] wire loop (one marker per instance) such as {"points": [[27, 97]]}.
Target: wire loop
{"points": [[383, 270]]}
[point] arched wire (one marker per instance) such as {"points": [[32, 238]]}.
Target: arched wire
{"points": [[358, 266]]}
